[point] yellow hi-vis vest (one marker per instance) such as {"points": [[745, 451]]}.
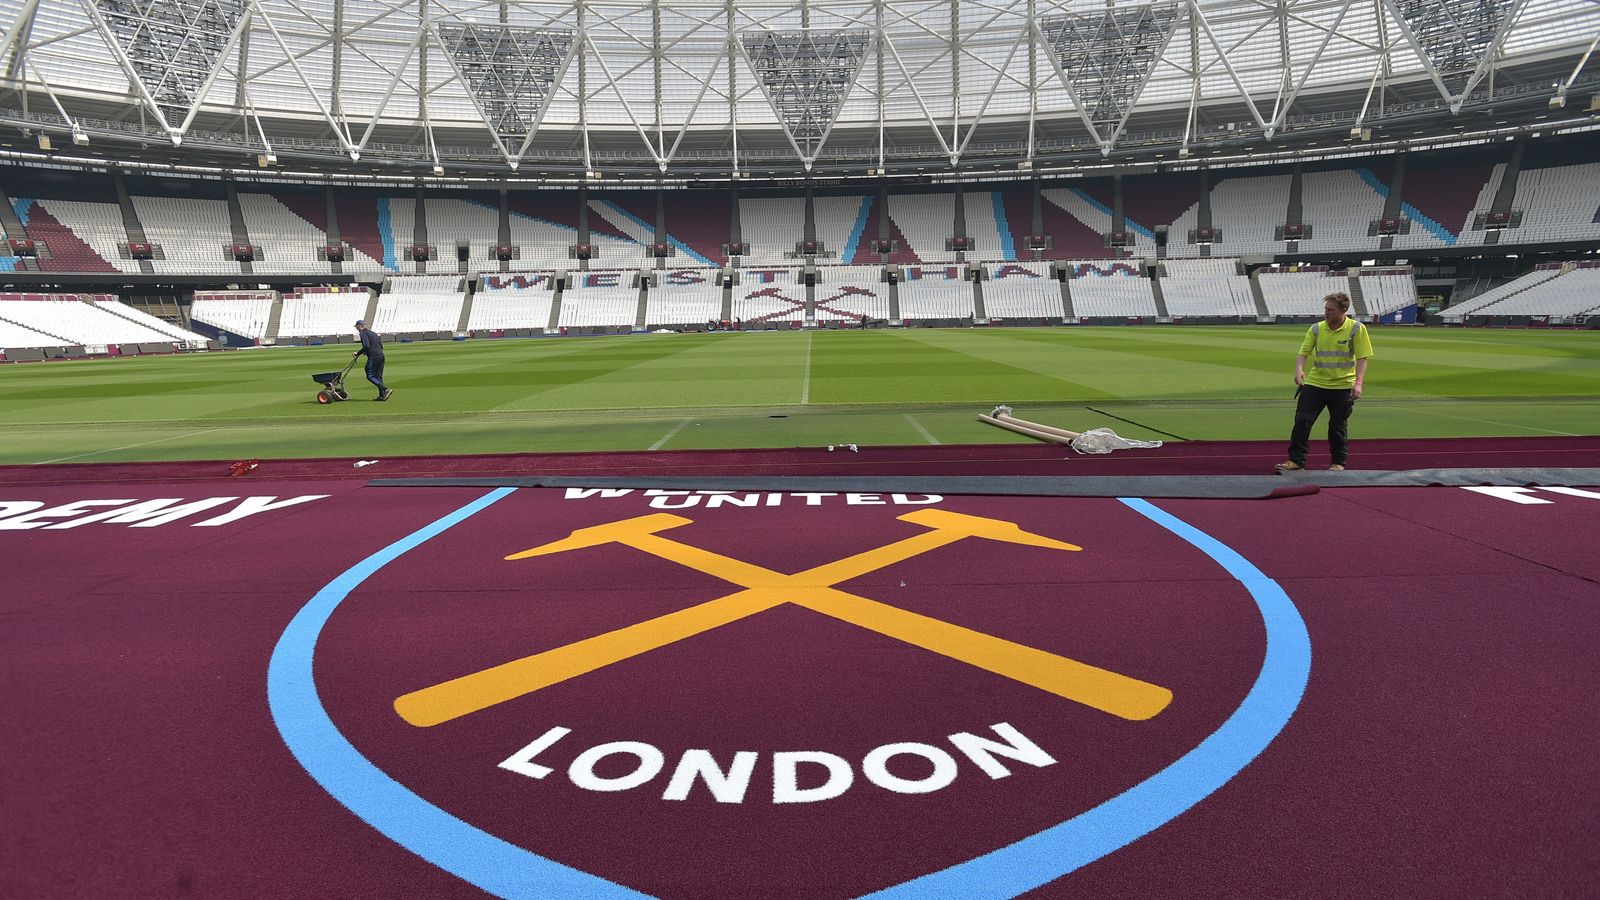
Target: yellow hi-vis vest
{"points": [[1333, 353]]}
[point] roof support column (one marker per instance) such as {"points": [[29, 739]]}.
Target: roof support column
{"points": [[655, 59], [733, 105], [1033, 92], [17, 37], [877, 11], [240, 99], [955, 83], [422, 91], [1194, 86], [336, 106], [583, 115]]}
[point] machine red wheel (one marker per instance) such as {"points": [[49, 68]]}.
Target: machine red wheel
{"points": [[323, 397]]}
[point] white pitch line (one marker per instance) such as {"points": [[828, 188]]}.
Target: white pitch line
{"points": [[1493, 422], [805, 386], [123, 447], [922, 431], [668, 436]]}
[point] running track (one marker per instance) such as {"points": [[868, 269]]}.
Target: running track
{"points": [[1361, 692]]}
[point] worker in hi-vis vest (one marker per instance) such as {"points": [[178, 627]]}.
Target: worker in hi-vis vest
{"points": [[1338, 348]]}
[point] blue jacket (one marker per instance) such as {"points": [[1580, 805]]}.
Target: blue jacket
{"points": [[371, 344]]}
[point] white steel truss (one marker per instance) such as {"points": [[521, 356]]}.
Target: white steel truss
{"points": [[510, 70], [1456, 39], [171, 48], [736, 85], [1105, 60], [806, 76]]}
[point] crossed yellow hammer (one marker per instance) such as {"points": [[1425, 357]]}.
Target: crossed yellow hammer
{"points": [[763, 589]]}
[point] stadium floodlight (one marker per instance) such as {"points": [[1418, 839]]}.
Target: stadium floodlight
{"points": [[806, 76], [79, 137], [438, 170], [1456, 41], [171, 49], [1105, 60], [510, 70]]}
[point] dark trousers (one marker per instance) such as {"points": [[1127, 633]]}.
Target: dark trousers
{"points": [[375, 372], [1311, 402]]}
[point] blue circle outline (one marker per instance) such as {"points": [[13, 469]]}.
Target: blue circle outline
{"points": [[506, 870]]}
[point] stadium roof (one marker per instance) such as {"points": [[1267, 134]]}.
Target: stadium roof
{"points": [[697, 88]]}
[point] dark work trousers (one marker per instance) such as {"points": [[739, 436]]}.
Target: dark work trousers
{"points": [[1312, 400], [375, 372]]}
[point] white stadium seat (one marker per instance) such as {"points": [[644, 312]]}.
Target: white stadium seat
{"points": [[420, 303], [684, 297], [936, 292], [244, 313], [1022, 291], [512, 300]]}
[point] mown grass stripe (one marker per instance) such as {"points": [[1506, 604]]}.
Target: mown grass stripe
{"points": [[625, 392]]}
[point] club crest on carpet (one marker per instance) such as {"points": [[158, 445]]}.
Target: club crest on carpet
{"points": [[965, 678]]}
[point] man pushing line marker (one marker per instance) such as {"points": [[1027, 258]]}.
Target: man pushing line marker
{"points": [[372, 347]]}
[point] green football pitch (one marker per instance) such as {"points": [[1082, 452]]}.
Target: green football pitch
{"points": [[790, 389]]}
